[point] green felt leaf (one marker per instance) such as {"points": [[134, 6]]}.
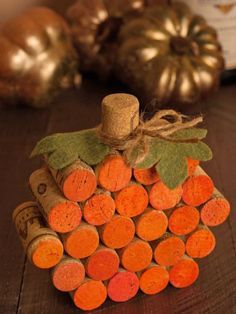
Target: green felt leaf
{"points": [[60, 158], [65, 148], [172, 170], [90, 149], [199, 151], [188, 134], [153, 155]]}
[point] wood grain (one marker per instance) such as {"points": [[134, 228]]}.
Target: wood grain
{"points": [[25, 289]]}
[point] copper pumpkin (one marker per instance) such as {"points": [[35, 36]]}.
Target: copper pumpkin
{"points": [[169, 54], [37, 58], [94, 26]]}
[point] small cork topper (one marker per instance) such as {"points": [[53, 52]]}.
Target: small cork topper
{"points": [[120, 115]]}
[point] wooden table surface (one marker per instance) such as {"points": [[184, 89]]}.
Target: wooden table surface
{"points": [[25, 289]]}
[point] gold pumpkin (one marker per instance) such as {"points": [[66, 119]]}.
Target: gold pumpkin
{"points": [[37, 58], [94, 27], [169, 54]]}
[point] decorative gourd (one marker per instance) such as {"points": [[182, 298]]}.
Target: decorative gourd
{"points": [[37, 58], [94, 27], [169, 54]]}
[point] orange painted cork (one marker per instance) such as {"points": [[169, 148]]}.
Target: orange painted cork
{"points": [[89, 295], [151, 225], [200, 243], [154, 279], [184, 273], [184, 220], [41, 244], [192, 166], [197, 189], [99, 208], [118, 232], [216, 210], [146, 176], [161, 197], [168, 250], [62, 215], [123, 286], [81, 242], [102, 264], [136, 256], [77, 181], [131, 200], [68, 274], [113, 174]]}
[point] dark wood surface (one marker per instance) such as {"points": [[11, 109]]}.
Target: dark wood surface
{"points": [[25, 289]]}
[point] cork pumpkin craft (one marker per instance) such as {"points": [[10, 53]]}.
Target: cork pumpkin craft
{"points": [[122, 207]]}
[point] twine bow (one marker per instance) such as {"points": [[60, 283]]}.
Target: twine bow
{"points": [[163, 124]]}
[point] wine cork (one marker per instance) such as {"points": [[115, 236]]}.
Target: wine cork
{"points": [[168, 250], [99, 208], [151, 225], [102, 264], [198, 188], [136, 256], [146, 176], [62, 215], [41, 244], [123, 286], [89, 295], [120, 115], [118, 232], [184, 273], [82, 241], [200, 243], [184, 220], [162, 198], [76, 181], [154, 279], [113, 173], [192, 166], [68, 274], [131, 200]]}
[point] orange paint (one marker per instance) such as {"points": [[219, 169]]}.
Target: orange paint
{"points": [[161, 197], [146, 176], [184, 220], [197, 190], [215, 211], [102, 264], [113, 173], [154, 279], [151, 225], [68, 274], [123, 286], [192, 166], [79, 185], [131, 200], [169, 250], [200, 243], [118, 232], [90, 295], [99, 209], [64, 217], [184, 273], [81, 242], [136, 256], [47, 253]]}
